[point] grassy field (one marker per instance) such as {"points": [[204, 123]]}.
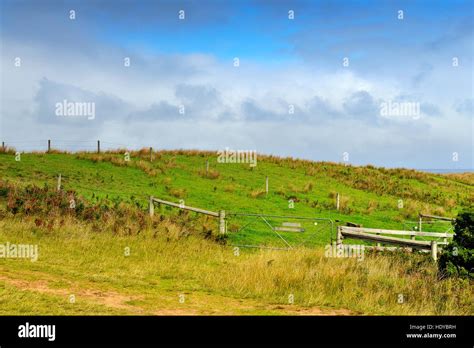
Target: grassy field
{"points": [[114, 259], [368, 196]]}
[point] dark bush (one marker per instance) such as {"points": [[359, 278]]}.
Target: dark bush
{"points": [[458, 257]]}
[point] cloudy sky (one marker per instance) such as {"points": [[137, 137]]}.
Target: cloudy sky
{"points": [[306, 79]]}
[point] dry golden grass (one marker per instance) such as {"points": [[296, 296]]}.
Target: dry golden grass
{"points": [[308, 187], [371, 207], [257, 193], [230, 188], [466, 178], [210, 174], [373, 285], [386, 284], [177, 192], [7, 150]]}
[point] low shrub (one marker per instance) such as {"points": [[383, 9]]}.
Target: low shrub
{"points": [[458, 257]]}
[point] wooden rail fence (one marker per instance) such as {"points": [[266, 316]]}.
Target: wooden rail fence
{"points": [[220, 214], [375, 235], [431, 217]]}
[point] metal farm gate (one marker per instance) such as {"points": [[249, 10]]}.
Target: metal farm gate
{"points": [[276, 231], [263, 230]]}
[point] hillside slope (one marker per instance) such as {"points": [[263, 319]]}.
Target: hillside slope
{"points": [[107, 256], [370, 196]]}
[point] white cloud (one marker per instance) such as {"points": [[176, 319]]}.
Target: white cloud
{"points": [[243, 107]]}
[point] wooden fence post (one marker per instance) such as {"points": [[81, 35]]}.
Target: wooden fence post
{"points": [[222, 222], [151, 154], [151, 206], [434, 250], [337, 201], [266, 185], [339, 236], [98, 146], [419, 224], [3, 145], [207, 167], [49, 145], [59, 182]]}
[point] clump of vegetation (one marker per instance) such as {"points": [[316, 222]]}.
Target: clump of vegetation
{"points": [[465, 178], [257, 193], [229, 188], [292, 191], [371, 207], [124, 158], [210, 174], [458, 257], [52, 210], [147, 167], [177, 192], [280, 191], [167, 180], [345, 205], [308, 187], [7, 150]]}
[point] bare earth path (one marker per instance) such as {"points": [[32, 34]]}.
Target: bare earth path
{"points": [[135, 304]]}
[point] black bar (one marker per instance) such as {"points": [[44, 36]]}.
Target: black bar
{"points": [[330, 330]]}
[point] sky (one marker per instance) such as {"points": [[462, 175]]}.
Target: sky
{"points": [[315, 85]]}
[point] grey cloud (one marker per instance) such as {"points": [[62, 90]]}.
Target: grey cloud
{"points": [[228, 115], [321, 109], [50, 93], [168, 68], [361, 106], [198, 101], [198, 96], [251, 111], [158, 111]]}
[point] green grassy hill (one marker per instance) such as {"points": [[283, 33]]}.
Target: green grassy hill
{"points": [[370, 196], [110, 257]]}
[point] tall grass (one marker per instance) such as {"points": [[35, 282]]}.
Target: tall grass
{"points": [[192, 264], [86, 244]]}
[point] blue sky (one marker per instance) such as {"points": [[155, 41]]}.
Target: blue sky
{"points": [[283, 62]]}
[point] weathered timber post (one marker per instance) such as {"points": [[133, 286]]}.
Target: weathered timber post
{"points": [[337, 201], [419, 223], [222, 222], [59, 182], [98, 146], [339, 236], [3, 146], [151, 206], [207, 167], [151, 154], [49, 145], [434, 250], [266, 185]]}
